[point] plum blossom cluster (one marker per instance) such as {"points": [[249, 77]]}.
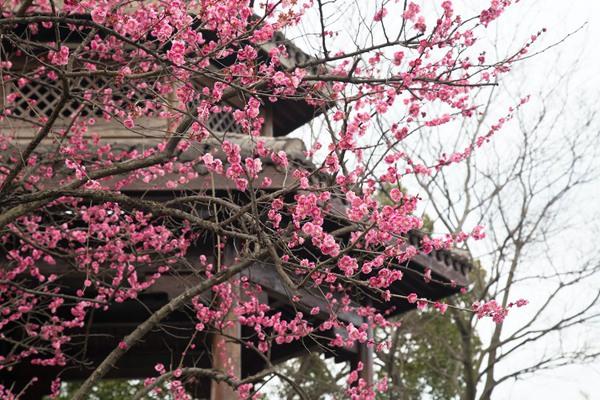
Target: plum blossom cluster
{"points": [[100, 239], [119, 216], [494, 310]]}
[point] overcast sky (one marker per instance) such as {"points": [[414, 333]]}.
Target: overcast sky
{"points": [[561, 18]]}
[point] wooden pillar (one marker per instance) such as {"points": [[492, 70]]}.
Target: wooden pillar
{"points": [[266, 112], [226, 351], [365, 354], [227, 357]]}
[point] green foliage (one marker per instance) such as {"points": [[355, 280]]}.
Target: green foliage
{"points": [[428, 350], [313, 375], [113, 389], [425, 362]]}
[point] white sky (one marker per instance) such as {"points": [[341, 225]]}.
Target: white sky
{"points": [[561, 18]]}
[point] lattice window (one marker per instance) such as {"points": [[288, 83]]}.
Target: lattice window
{"points": [[223, 122], [39, 98]]}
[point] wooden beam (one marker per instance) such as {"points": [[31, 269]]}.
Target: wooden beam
{"points": [[266, 276], [365, 353], [441, 268]]}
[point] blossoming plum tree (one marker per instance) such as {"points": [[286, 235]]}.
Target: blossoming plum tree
{"points": [[64, 195]]}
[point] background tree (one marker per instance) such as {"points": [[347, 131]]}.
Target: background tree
{"points": [[529, 189], [528, 198]]}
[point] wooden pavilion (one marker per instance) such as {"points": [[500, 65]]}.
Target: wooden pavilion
{"points": [[104, 331]]}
